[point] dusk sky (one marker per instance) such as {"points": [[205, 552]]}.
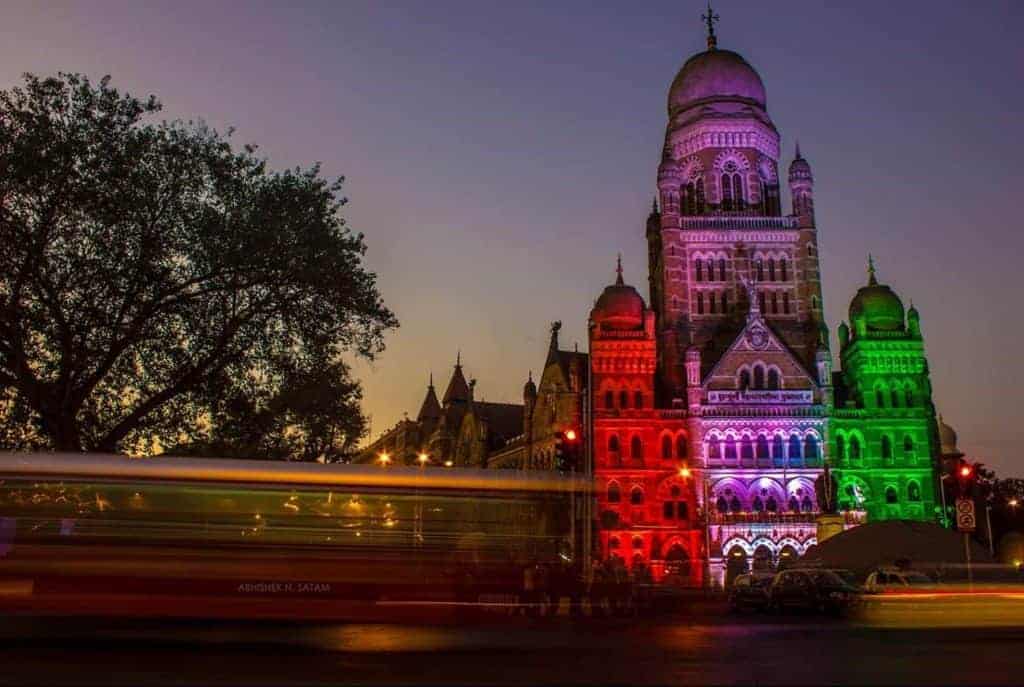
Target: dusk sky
{"points": [[499, 154]]}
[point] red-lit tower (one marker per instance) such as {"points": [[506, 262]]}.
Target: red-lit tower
{"points": [[646, 495]]}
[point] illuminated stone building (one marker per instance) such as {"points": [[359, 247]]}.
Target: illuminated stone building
{"points": [[732, 361]]}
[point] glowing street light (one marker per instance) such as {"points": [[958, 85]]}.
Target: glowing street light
{"points": [[570, 435], [384, 459], [1012, 503], [684, 472], [448, 463], [423, 458]]}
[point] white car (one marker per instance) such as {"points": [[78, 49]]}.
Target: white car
{"points": [[882, 581]]}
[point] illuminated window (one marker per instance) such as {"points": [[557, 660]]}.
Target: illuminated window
{"points": [[614, 494], [636, 496], [713, 448], [636, 449]]}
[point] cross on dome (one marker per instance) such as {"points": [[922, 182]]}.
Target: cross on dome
{"points": [[710, 18]]}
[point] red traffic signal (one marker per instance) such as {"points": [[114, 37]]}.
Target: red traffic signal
{"points": [[965, 471], [570, 435]]}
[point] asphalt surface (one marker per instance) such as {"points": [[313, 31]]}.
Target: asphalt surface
{"points": [[754, 649]]}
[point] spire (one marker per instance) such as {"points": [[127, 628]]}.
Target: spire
{"points": [[553, 344], [710, 18], [457, 389], [430, 409], [654, 205], [798, 155], [872, 281], [618, 272]]}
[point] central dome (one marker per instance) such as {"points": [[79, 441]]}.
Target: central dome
{"points": [[619, 306], [880, 307], [715, 75]]}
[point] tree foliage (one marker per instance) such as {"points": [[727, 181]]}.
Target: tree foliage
{"points": [[157, 285]]}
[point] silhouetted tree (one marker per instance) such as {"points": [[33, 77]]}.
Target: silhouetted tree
{"points": [[157, 285]]}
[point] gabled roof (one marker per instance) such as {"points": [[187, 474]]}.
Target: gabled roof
{"points": [[504, 420], [758, 336]]}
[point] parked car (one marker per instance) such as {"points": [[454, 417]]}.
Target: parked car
{"points": [[822, 591], [749, 592], [888, 581]]}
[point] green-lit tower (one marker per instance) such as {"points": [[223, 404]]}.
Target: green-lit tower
{"points": [[883, 432]]}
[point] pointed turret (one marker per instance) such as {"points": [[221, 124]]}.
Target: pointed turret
{"points": [[430, 409], [801, 186], [458, 389]]}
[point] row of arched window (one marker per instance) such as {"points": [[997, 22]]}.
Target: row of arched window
{"points": [[759, 377], [704, 269], [850, 447], [672, 508], [855, 494], [732, 504], [772, 270], [693, 199], [716, 303], [776, 448], [773, 303], [677, 447], [623, 399], [895, 395]]}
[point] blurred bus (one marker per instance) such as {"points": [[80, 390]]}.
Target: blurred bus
{"points": [[81, 525]]}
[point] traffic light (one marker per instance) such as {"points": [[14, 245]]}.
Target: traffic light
{"points": [[568, 450], [965, 477]]}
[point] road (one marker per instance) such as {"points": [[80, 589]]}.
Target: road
{"points": [[750, 650]]}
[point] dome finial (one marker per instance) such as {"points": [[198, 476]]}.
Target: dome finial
{"points": [[872, 281], [618, 271], [710, 18]]}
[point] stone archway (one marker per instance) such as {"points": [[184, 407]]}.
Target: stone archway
{"points": [[735, 564], [763, 559]]}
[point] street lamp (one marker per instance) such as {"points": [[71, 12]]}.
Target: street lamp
{"points": [[423, 458], [684, 472], [1012, 503], [384, 459], [448, 463]]}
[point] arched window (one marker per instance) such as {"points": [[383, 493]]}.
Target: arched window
{"points": [[854, 448], [730, 449], [771, 505], [913, 492], [700, 303], [699, 269], [713, 448], [746, 449], [636, 449], [895, 396], [778, 450], [721, 269], [785, 302], [711, 269], [908, 447], [794, 449], [773, 379], [762, 447], [760, 270], [623, 399], [761, 302], [638, 543], [880, 398], [638, 400], [727, 192], [891, 496], [744, 379], [721, 505], [613, 444], [794, 505], [614, 493], [699, 210], [668, 510], [682, 447], [689, 199], [811, 447], [757, 505], [771, 269], [886, 448], [806, 505], [910, 397], [725, 301], [666, 448], [840, 448], [711, 304], [784, 269], [609, 399], [758, 377], [636, 496], [775, 303], [734, 505]]}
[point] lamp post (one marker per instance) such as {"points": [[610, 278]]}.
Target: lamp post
{"points": [[988, 521]]}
